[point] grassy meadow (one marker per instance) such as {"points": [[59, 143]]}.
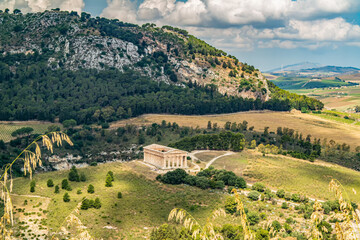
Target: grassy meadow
{"points": [[145, 203], [290, 174], [6, 128], [312, 124]]}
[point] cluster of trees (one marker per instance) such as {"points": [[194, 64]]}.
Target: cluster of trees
{"points": [[208, 178], [89, 203], [22, 131], [74, 176], [89, 96], [222, 141]]}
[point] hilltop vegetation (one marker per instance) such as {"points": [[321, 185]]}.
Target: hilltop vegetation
{"points": [[101, 70]]}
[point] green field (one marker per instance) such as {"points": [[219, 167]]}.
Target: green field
{"points": [[296, 83], [145, 203], [6, 128], [341, 99], [297, 176]]}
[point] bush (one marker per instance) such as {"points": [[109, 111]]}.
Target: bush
{"points": [[260, 187], [230, 205], [119, 195], [108, 181], [111, 175], [295, 197], [253, 218], [97, 203], [57, 189], [202, 182], [79, 191], [174, 177], [50, 183], [91, 189], [254, 195], [284, 205], [280, 193], [74, 175], [65, 185], [276, 225], [32, 186], [287, 228], [85, 204], [262, 234], [287, 196], [66, 197]]}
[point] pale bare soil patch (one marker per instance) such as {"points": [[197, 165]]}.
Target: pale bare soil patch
{"points": [[30, 216], [303, 123]]}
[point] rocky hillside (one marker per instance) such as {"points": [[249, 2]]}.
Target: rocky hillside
{"points": [[165, 54]]}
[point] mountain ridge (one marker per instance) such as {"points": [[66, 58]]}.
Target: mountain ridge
{"points": [[100, 70]]}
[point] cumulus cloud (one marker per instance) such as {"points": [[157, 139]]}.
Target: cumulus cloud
{"points": [[42, 5]]}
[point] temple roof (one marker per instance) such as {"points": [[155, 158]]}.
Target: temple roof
{"points": [[163, 149]]}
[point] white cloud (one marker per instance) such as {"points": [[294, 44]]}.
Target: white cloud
{"points": [[42, 5], [124, 10]]}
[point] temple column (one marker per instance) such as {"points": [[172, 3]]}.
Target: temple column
{"points": [[177, 161]]}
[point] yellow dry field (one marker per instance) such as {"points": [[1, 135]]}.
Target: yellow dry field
{"points": [[303, 123]]}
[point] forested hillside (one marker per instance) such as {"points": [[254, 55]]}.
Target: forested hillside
{"points": [[100, 70]]}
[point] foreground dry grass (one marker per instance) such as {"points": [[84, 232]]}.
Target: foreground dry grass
{"points": [[304, 123]]}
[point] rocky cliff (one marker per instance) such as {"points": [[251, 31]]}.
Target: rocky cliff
{"points": [[166, 54]]}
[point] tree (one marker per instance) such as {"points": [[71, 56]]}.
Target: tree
{"points": [[66, 197], [97, 203], [209, 125], [57, 189], [65, 185], [32, 186], [22, 131], [174, 177], [85, 204], [252, 144], [91, 189], [119, 195], [74, 175], [111, 175], [141, 139], [70, 123], [50, 183], [16, 11], [108, 181]]}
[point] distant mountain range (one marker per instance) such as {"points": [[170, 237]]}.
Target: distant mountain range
{"points": [[295, 67], [308, 69]]}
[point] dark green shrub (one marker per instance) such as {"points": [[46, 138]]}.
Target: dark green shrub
{"points": [[66, 197], [119, 195], [254, 195], [50, 183], [253, 218], [260, 187], [91, 189], [280, 193]]}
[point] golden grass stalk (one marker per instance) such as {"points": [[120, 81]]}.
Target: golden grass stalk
{"points": [[248, 235], [31, 159], [206, 232], [348, 228]]}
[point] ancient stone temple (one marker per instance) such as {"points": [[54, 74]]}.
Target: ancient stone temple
{"points": [[165, 157]]}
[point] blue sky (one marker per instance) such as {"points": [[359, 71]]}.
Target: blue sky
{"points": [[264, 33]]}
